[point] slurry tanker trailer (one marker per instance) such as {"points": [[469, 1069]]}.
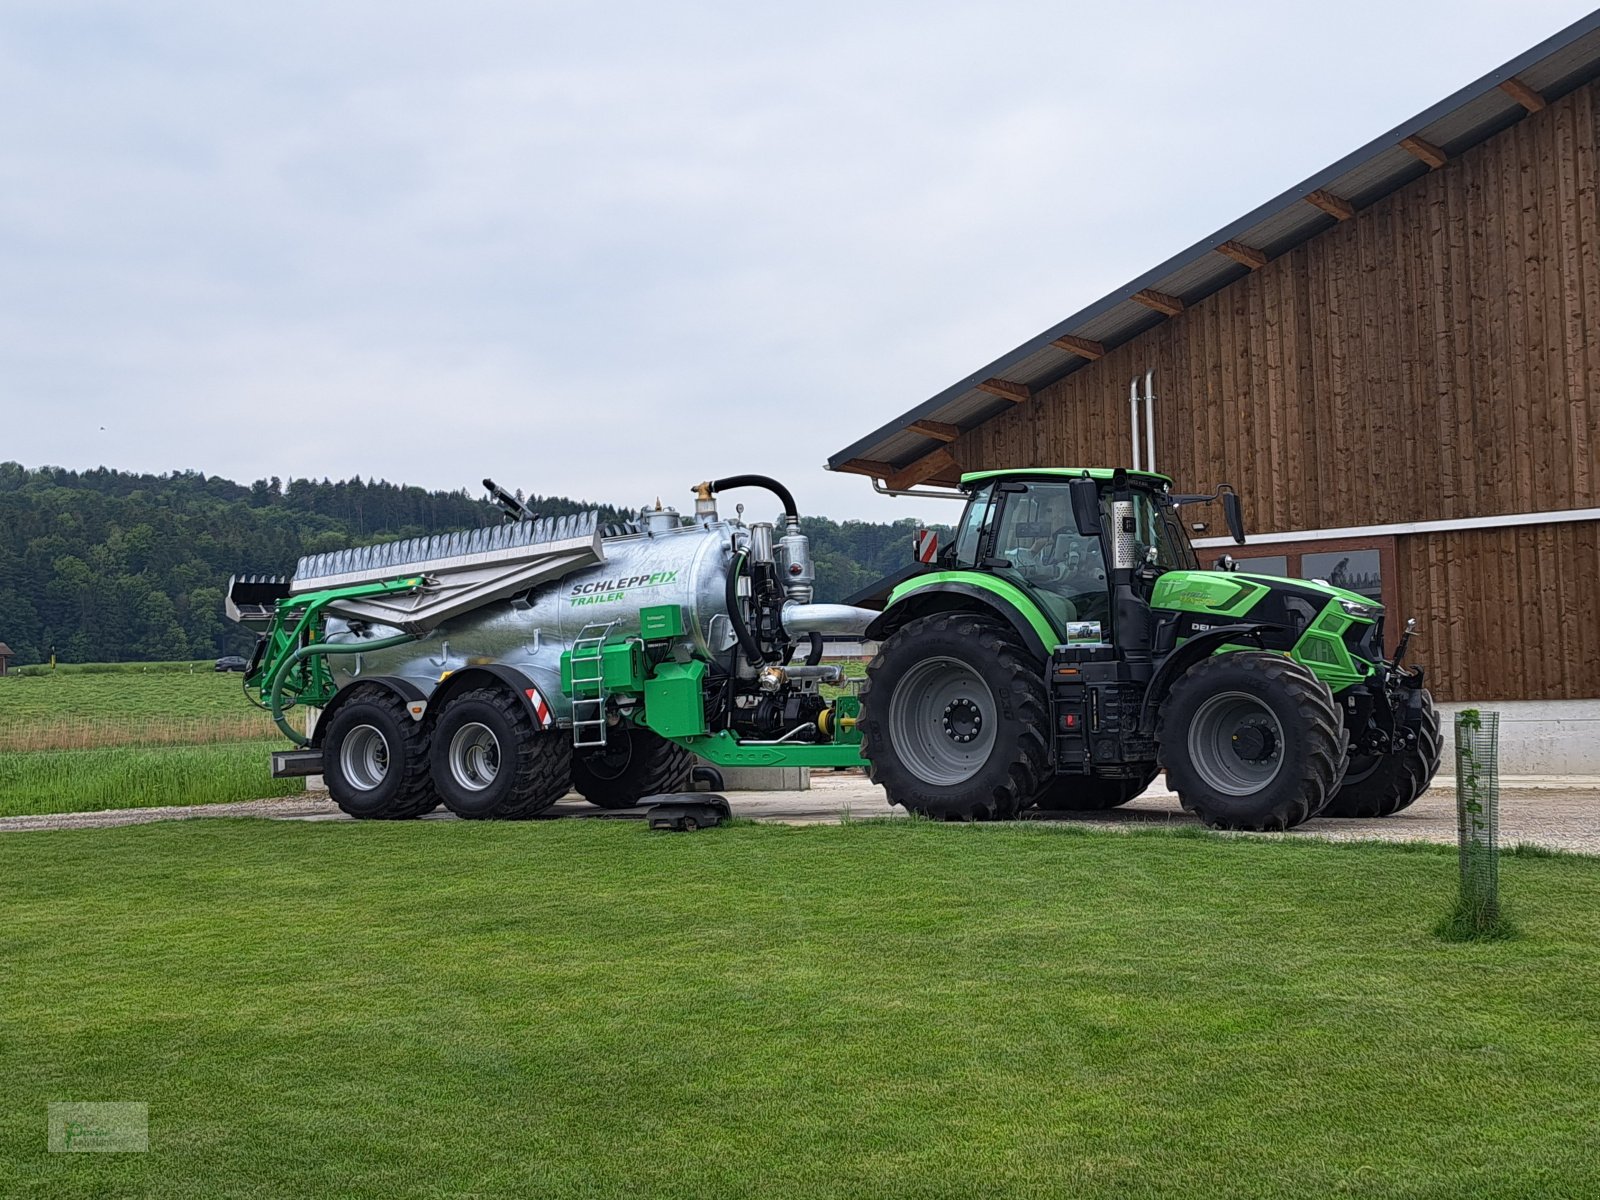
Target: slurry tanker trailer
{"points": [[1064, 648]]}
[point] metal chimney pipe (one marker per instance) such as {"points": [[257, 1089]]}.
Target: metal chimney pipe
{"points": [[1133, 417], [1150, 420]]}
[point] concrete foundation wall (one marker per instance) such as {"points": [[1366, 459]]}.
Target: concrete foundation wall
{"points": [[1537, 737]]}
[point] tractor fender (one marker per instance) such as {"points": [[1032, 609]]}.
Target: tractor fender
{"points": [[489, 675], [408, 692], [1201, 645], [936, 596]]}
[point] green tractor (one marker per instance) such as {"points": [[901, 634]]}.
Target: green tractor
{"points": [[1067, 646]]}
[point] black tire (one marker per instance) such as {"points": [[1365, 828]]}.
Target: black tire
{"points": [[1251, 740], [1090, 793], [1381, 785], [950, 782], [491, 762], [634, 764], [375, 758]]}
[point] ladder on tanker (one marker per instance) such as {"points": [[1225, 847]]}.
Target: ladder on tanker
{"points": [[588, 672]]}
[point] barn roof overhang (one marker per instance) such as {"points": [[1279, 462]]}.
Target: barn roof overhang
{"points": [[913, 448]]}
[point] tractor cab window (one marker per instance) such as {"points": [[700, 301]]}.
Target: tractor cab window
{"points": [[1160, 538], [975, 525], [1039, 538]]}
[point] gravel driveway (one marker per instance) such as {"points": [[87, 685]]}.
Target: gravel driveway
{"points": [[1559, 818]]}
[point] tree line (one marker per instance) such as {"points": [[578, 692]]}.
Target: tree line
{"points": [[112, 566]]}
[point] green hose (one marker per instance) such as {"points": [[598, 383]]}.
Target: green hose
{"points": [[281, 675]]}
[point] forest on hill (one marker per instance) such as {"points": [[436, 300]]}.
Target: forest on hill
{"points": [[110, 566]]}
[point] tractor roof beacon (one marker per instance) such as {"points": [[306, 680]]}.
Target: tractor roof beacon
{"points": [[1063, 648]]}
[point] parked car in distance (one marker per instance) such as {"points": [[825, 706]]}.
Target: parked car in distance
{"points": [[231, 662]]}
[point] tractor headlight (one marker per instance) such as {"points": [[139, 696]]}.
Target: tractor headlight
{"points": [[1367, 612]]}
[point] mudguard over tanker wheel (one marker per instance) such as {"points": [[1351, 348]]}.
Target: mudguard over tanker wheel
{"points": [[1090, 793], [490, 761], [1252, 740], [375, 758], [635, 763], [954, 719], [1380, 785]]}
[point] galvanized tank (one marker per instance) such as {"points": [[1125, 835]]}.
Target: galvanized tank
{"points": [[686, 566]]}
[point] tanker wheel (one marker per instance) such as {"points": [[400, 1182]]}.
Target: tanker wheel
{"points": [[954, 717], [375, 758], [1251, 740], [490, 761], [634, 764], [1090, 793], [1380, 785]]}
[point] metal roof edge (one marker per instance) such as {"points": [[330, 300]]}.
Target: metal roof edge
{"points": [[1209, 244]]}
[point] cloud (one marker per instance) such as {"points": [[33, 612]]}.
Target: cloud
{"points": [[609, 250]]}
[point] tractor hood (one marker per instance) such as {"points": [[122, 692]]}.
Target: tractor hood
{"points": [[1235, 594]]}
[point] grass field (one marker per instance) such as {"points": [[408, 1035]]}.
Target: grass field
{"points": [[86, 739], [56, 781], [878, 1009]]}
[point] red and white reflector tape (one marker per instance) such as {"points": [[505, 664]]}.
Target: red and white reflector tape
{"points": [[927, 544], [540, 708]]}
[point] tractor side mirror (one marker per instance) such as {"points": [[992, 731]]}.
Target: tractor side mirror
{"points": [[1235, 515], [1085, 495]]}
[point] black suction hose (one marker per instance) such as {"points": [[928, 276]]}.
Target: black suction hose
{"points": [[760, 481], [747, 641]]}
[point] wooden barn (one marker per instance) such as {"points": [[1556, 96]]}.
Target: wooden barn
{"points": [[1397, 363]]}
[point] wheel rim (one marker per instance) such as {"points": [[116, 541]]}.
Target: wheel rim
{"points": [[364, 757], [1236, 743], [474, 756], [942, 718]]}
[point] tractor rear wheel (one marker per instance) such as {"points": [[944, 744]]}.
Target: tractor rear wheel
{"points": [[1380, 785], [490, 761], [375, 758], [954, 719], [1091, 793], [1251, 740], [634, 764]]}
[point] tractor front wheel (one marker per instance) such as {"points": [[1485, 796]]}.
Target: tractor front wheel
{"points": [[375, 758], [954, 719], [1380, 785], [1251, 740]]}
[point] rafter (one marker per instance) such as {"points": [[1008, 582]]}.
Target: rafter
{"points": [[1082, 347], [1006, 390], [1426, 151], [1334, 206], [929, 466], [1522, 94], [1247, 255], [867, 466], [1160, 301], [941, 431]]}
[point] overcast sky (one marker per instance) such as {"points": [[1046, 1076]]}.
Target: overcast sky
{"points": [[606, 250]]}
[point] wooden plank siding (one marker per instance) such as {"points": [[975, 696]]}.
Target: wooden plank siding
{"points": [[1504, 613], [1435, 357]]}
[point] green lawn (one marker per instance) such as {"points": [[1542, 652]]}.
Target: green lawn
{"points": [[889, 1008], [59, 781]]}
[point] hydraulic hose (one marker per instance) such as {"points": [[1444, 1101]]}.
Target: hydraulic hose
{"points": [[747, 641], [760, 481], [281, 675]]}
